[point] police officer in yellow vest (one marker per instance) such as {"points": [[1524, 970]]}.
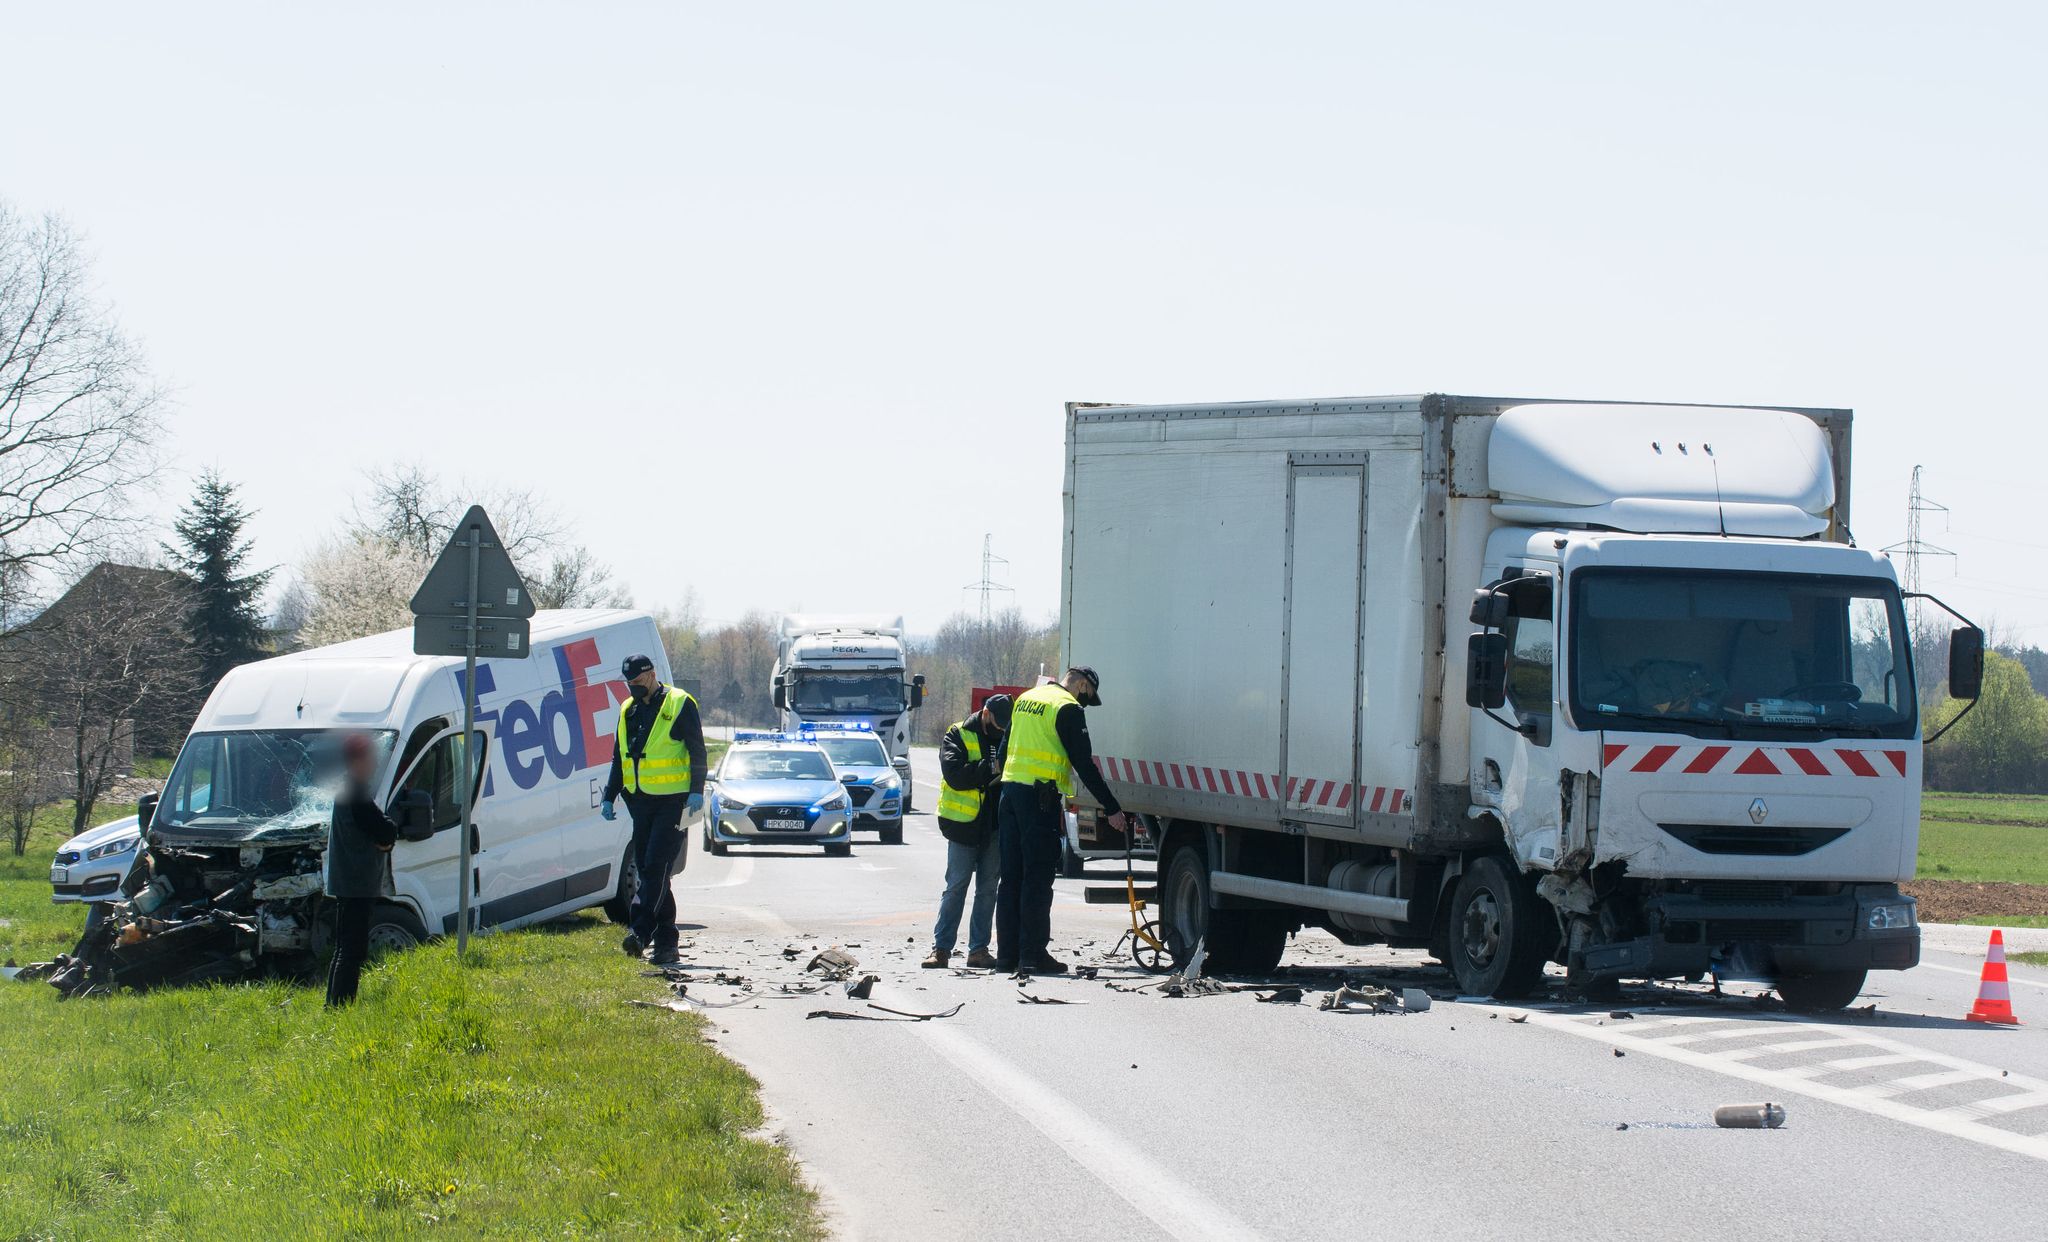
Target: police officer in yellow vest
{"points": [[658, 764], [1048, 746], [970, 773]]}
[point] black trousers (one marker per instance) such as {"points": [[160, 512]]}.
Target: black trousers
{"points": [[657, 843], [351, 947], [1028, 831]]}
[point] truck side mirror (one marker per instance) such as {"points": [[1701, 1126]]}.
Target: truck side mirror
{"points": [[416, 815], [1966, 662], [1486, 670], [917, 692], [1489, 608], [780, 696], [145, 811]]}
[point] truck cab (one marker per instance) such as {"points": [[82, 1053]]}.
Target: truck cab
{"points": [[848, 672]]}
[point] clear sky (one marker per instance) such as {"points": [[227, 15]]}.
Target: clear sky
{"points": [[781, 302]]}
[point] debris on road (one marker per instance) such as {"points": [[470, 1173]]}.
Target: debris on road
{"points": [[1618, 1052], [1289, 995], [1027, 998], [1621, 1015], [1415, 1000], [899, 1015], [1765, 1116], [1191, 985], [1365, 998], [862, 988], [1518, 1017], [835, 964]]}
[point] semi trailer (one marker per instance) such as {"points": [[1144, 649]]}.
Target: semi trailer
{"points": [[1519, 681]]}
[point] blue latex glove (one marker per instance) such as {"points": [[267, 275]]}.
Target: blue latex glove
{"points": [[608, 810], [695, 804]]}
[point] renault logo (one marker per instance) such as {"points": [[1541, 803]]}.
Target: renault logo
{"points": [[1758, 812]]}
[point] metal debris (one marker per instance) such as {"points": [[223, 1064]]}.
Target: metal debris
{"points": [[1282, 996], [1191, 985], [899, 1015], [1026, 998], [1622, 1015], [835, 964], [863, 987], [1518, 1017], [1362, 999], [1765, 1116]]}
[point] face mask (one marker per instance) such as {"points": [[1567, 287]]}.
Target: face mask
{"points": [[640, 693]]}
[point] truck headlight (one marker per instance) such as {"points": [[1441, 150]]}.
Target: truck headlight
{"points": [[1888, 917], [120, 846]]}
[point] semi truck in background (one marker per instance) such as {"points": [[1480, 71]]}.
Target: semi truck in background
{"points": [[837, 671], [1518, 681]]}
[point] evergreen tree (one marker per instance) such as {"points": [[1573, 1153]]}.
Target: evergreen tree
{"points": [[227, 629]]}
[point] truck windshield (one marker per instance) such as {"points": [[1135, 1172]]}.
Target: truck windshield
{"points": [[1759, 654], [847, 693], [247, 783], [857, 752]]}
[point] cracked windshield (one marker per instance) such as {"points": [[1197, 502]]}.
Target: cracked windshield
{"points": [[256, 781]]}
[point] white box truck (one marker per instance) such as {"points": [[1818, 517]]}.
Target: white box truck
{"points": [[1520, 681], [837, 671], [231, 874]]}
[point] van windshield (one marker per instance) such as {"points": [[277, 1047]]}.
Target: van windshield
{"points": [[847, 692], [1752, 654], [256, 782]]}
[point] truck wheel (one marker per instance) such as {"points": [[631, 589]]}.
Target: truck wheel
{"points": [[1072, 865], [393, 928], [620, 908], [1821, 993], [1247, 942], [893, 833], [1501, 932]]}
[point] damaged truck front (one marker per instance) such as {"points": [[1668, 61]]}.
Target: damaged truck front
{"points": [[231, 879], [1520, 681]]}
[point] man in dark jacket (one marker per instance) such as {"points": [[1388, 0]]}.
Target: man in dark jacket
{"points": [[359, 842], [970, 767], [658, 764]]}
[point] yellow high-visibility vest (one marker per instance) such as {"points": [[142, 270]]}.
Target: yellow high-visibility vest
{"points": [[1035, 753], [962, 805], [663, 766]]}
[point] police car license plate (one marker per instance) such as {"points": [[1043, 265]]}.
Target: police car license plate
{"points": [[60, 875], [785, 825]]}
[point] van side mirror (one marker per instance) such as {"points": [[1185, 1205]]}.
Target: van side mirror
{"points": [[917, 692], [1486, 670], [415, 815], [145, 811], [1966, 662], [780, 695]]}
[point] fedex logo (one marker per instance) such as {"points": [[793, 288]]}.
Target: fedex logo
{"points": [[560, 734]]}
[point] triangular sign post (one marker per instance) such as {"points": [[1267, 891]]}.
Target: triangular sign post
{"points": [[471, 603]]}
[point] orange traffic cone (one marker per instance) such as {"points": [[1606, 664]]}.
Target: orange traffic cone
{"points": [[1994, 995]]}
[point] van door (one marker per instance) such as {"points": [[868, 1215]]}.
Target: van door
{"points": [[426, 870], [1319, 655]]}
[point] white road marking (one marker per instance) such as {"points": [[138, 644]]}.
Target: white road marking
{"points": [[742, 871], [1177, 1208], [1963, 1123], [1979, 974]]}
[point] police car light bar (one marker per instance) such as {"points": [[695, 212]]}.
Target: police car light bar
{"points": [[855, 727]]}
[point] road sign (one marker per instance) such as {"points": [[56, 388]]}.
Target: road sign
{"points": [[472, 603], [500, 591]]}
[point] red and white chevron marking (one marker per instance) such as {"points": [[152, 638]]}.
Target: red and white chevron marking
{"points": [[1238, 783], [1739, 759]]}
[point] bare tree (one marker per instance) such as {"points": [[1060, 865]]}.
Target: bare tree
{"points": [[31, 773], [78, 411], [575, 578], [113, 652], [355, 586]]}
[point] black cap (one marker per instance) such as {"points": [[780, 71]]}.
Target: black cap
{"points": [[1092, 696], [998, 705], [634, 665]]}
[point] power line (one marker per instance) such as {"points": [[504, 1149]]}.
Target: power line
{"points": [[1914, 548], [988, 586]]}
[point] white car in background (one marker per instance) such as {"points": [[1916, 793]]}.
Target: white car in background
{"points": [[89, 867]]}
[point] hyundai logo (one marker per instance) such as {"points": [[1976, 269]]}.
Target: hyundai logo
{"points": [[1758, 812]]}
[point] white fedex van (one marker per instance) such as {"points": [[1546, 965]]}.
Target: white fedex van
{"points": [[235, 842]]}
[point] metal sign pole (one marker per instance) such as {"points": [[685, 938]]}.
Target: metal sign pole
{"points": [[466, 779]]}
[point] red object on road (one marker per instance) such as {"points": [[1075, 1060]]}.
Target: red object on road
{"points": [[1994, 994]]}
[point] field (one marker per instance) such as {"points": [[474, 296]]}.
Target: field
{"points": [[1983, 859], [518, 1096]]}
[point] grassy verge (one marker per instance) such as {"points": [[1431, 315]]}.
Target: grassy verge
{"points": [[515, 1097], [2031, 959], [1962, 808], [1983, 853]]}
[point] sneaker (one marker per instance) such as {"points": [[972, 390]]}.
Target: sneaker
{"points": [[666, 957], [1046, 965], [630, 945], [982, 959], [938, 959]]}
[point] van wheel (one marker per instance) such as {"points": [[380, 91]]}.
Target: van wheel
{"points": [[620, 908], [1249, 942], [1501, 931], [1821, 993], [393, 928]]}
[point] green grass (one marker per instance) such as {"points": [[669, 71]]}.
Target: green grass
{"points": [[2031, 959], [516, 1097], [2017, 920], [1983, 852], [1962, 808]]}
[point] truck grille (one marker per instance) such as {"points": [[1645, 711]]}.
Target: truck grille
{"points": [[1733, 839], [1754, 931], [1745, 892]]}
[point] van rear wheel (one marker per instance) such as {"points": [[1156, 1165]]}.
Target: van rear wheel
{"points": [[393, 928], [620, 908]]}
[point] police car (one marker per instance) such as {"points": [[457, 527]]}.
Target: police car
{"points": [[777, 789], [869, 775]]}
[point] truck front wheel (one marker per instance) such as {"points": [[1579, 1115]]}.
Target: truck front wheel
{"points": [[1249, 942], [1821, 993], [1500, 931]]}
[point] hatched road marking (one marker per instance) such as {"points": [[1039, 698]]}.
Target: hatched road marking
{"points": [[1890, 1098]]}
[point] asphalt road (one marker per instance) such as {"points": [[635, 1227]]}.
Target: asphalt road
{"points": [[1127, 1114]]}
